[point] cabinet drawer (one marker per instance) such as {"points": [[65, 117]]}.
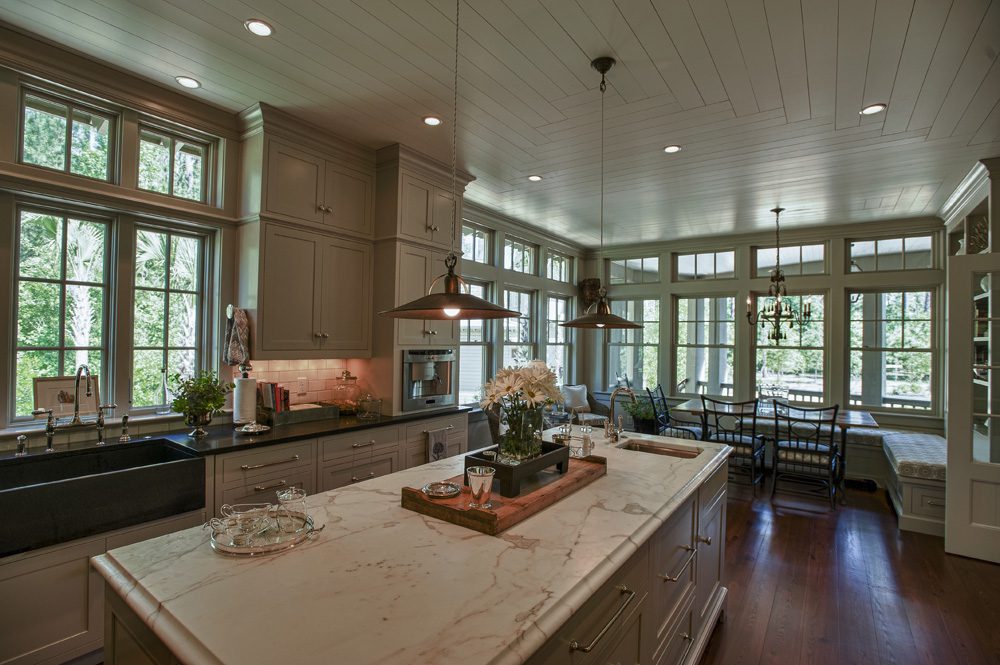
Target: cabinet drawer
{"points": [[678, 639], [673, 566], [262, 490], [244, 466], [416, 432], [927, 501], [340, 475], [710, 491], [628, 649], [357, 443]]}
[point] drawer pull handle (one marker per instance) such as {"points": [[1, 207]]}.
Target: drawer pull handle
{"points": [[363, 445], [690, 640], [264, 488], [705, 539], [687, 562], [932, 502], [439, 429], [247, 467], [355, 479], [623, 590]]}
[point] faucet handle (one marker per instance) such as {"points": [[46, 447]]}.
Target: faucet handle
{"points": [[45, 412], [102, 408], [22, 446]]}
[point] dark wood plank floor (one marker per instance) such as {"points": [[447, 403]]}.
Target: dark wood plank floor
{"points": [[813, 586]]}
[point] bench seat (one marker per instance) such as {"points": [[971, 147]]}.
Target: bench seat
{"points": [[917, 474]]}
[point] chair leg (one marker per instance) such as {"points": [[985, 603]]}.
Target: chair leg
{"points": [[774, 471], [753, 473]]}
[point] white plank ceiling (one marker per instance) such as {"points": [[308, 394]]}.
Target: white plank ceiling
{"points": [[763, 95]]}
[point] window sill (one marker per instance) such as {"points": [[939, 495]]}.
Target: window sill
{"points": [[138, 425]]}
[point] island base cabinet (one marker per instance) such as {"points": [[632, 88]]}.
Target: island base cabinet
{"points": [[127, 640]]}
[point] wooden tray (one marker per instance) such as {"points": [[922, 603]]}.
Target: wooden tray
{"points": [[549, 487]]}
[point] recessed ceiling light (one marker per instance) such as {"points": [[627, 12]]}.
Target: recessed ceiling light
{"points": [[432, 120], [670, 149], [872, 109], [258, 27], [534, 178], [187, 81]]}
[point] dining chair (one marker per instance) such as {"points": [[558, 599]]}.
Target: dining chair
{"points": [[806, 457], [664, 422], [735, 424]]}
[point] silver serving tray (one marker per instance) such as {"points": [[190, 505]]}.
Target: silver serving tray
{"points": [[269, 540]]}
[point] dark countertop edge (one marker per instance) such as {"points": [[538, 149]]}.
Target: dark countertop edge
{"points": [[224, 439]]}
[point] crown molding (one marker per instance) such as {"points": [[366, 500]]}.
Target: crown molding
{"points": [[971, 191], [275, 122], [400, 156]]}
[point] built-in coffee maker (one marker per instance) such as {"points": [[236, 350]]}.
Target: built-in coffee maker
{"points": [[428, 379]]}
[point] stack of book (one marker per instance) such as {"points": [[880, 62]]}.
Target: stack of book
{"points": [[272, 397]]}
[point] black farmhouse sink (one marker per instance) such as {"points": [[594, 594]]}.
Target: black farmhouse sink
{"points": [[56, 497]]}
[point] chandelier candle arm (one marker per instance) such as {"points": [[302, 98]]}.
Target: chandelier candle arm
{"points": [[782, 311]]}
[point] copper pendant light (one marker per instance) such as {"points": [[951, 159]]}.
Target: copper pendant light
{"points": [[452, 304], [602, 316]]}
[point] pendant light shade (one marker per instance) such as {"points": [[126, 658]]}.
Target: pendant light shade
{"points": [[601, 317], [452, 305]]}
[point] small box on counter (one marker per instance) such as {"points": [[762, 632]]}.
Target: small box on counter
{"points": [[301, 413]]}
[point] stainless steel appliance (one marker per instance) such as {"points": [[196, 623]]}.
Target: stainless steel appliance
{"points": [[428, 379]]}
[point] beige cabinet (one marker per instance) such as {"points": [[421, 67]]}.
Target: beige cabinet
{"points": [[710, 537], [255, 475], [315, 295], [418, 268], [425, 212], [303, 186], [414, 448], [358, 456]]}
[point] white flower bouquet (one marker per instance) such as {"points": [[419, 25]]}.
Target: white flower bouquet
{"points": [[521, 393]]}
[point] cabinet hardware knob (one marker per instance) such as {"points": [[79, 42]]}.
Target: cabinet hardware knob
{"points": [[685, 636], [705, 539], [326, 335], [317, 335], [623, 590], [264, 488], [363, 445], [355, 479], [932, 502]]}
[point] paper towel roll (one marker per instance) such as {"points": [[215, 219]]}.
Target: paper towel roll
{"points": [[245, 401]]}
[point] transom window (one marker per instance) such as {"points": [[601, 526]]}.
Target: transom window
{"points": [[795, 260], [518, 346], [797, 363], [476, 244], [706, 334], [62, 288], [706, 265], [519, 256], [892, 356], [634, 271], [558, 266], [474, 338], [557, 340], [66, 136], [633, 354], [891, 254], [172, 164], [167, 312]]}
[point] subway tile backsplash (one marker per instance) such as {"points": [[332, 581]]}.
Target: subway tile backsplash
{"points": [[320, 377]]}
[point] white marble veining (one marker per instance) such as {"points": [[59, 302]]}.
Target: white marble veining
{"points": [[381, 584]]}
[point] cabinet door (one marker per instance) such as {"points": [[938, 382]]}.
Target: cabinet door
{"points": [[288, 312], [416, 213], [346, 303], [710, 538], [415, 274], [443, 217], [294, 183], [348, 194]]}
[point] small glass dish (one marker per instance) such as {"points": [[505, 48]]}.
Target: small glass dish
{"points": [[441, 490], [253, 428]]}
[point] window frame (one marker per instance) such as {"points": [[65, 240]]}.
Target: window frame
{"points": [[488, 334], [609, 345], [526, 246], [849, 245], [533, 338], [676, 256], [755, 269], [113, 116], [568, 264], [209, 145], [677, 346], [825, 347], [642, 259], [567, 345], [487, 239]]}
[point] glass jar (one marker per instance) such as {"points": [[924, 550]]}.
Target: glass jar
{"points": [[369, 408], [346, 393]]}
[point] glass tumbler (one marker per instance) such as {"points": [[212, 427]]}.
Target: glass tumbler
{"points": [[481, 484], [291, 513]]}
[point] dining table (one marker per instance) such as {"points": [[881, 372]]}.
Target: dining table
{"points": [[846, 418]]}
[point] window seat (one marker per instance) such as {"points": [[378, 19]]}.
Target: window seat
{"points": [[917, 472]]}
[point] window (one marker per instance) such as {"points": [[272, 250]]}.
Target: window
{"points": [[65, 136], [476, 244], [558, 266], [891, 254], [518, 256], [474, 338], [62, 287], [171, 164], [634, 271], [557, 340], [706, 265], [891, 357], [517, 347], [633, 353], [797, 363], [167, 311], [706, 332], [795, 260]]}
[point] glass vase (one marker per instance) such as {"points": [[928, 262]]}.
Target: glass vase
{"points": [[523, 438]]}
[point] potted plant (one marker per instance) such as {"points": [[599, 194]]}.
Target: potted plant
{"points": [[643, 416], [198, 398]]}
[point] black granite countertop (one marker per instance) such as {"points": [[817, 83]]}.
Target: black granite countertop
{"points": [[224, 439]]}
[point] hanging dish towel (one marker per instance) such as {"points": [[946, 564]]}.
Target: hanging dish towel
{"points": [[237, 338], [436, 444]]}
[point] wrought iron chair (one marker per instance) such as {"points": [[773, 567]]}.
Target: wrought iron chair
{"points": [[670, 426], [735, 424], [805, 450]]}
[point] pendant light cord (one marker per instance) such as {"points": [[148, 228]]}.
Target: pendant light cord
{"points": [[454, 138], [604, 87], [777, 242]]}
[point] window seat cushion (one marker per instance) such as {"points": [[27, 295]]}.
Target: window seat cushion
{"points": [[916, 454]]}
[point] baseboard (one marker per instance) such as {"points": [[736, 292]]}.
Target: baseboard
{"points": [[705, 634]]}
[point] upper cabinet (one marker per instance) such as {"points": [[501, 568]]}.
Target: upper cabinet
{"points": [[425, 212]]}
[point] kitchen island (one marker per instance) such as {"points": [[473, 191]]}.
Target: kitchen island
{"points": [[381, 584]]}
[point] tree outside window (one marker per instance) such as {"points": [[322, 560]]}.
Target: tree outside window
{"points": [[797, 362], [171, 164], [634, 353], [65, 136]]}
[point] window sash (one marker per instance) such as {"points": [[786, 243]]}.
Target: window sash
{"points": [[72, 107], [172, 139]]}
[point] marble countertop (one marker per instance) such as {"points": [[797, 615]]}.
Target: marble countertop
{"points": [[381, 584]]}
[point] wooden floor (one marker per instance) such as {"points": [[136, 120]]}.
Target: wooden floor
{"points": [[813, 586]]}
